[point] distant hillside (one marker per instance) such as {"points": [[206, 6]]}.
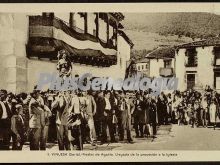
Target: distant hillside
{"points": [[194, 25], [151, 30], [145, 42]]}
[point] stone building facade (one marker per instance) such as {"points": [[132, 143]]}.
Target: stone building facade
{"points": [[197, 64]]}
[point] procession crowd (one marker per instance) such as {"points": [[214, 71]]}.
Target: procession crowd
{"points": [[74, 118]]}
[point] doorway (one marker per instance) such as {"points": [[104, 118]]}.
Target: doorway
{"points": [[190, 81]]}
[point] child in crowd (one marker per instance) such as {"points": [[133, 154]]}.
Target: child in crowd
{"points": [[17, 127]]}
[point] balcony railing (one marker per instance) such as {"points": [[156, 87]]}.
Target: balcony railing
{"points": [[192, 64], [73, 31], [166, 72]]}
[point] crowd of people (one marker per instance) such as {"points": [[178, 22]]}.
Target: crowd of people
{"points": [[74, 118], [196, 108]]}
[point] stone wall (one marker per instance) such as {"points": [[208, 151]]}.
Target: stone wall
{"points": [[13, 38]]}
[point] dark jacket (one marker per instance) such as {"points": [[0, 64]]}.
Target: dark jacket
{"points": [[5, 123], [152, 113], [17, 125], [139, 110], [62, 111], [100, 107]]}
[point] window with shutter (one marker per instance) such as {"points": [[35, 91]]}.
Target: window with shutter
{"points": [[192, 58], [217, 56], [167, 63]]}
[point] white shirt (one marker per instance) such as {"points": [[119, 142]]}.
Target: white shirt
{"points": [[196, 105], [169, 100], [212, 107], [123, 105], [40, 100], [116, 101], [75, 104], [22, 120], [4, 113], [108, 105], [204, 103]]}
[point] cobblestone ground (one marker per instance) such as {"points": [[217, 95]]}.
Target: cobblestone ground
{"points": [[163, 134], [181, 138]]}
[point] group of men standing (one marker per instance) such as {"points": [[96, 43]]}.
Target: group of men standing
{"points": [[74, 118], [21, 115]]}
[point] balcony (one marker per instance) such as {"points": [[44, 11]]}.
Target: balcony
{"points": [[48, 34], [166, 72], [191, 64], [42, 25]]}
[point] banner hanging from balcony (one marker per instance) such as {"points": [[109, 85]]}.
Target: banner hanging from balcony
{"points": [[46, 35]]}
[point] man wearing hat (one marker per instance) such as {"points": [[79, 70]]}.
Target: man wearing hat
{"points": [[5, 122]]}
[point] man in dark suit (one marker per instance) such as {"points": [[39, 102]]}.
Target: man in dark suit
{"points": [[152, 116], [62, 104], [99, 116], [5, 122], [139, 116], [162, 109], [108, 118]]}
